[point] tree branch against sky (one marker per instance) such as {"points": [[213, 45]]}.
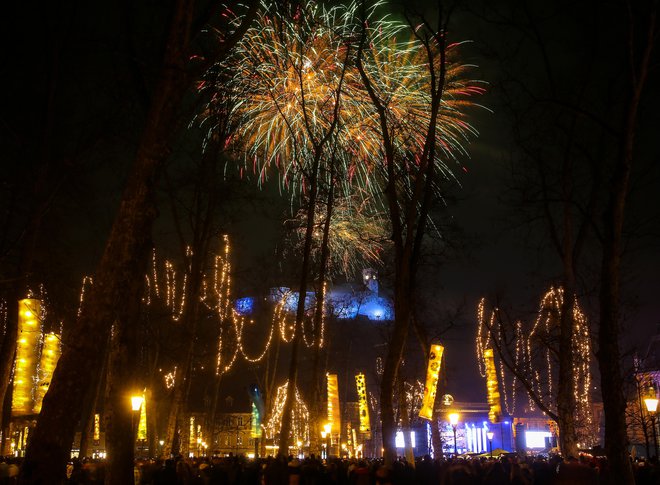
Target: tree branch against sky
{"points": [[418, 100]]}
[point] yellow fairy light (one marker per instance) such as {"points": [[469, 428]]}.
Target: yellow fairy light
{"points": [[87, 281], [363, 405], [482, 336], [323, 310], [432, 373], [192, 436], [170, 379], [27, 347], [97, 427], [532, 355], [299, 416]]}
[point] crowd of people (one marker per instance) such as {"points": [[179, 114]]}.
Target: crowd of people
{"points": [[237, 470]]}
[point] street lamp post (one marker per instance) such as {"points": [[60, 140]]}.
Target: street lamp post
{"points": [[651, 402], [490, 435], [325, 445], [453, 420], [328, 432]]}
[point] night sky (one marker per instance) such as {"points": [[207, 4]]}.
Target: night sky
{"points": [[73, 95]]}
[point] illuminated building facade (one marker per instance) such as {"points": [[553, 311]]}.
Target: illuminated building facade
{"points": [[472, 429]]}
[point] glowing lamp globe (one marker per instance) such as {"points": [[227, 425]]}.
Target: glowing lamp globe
{"points": [[453, 419], [136, 402], [490, 435], [651, 404]]}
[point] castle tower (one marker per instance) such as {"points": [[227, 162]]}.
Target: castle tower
{"points": [[370, 279]]}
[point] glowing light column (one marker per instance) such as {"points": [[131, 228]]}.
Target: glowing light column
{"points": [[360, 381], [333, 402], [334, 418], [27, 348], [432, 373], [50, 354], [492, 388]]}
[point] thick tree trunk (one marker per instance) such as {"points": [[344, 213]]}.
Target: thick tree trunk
{"points": [[436, 437], [49, 447], [123, 382], [609, 362], [87, 419], [405, 423], [120, 420], [210, 425], [175, 416], [315, 401], [152, 422], [43, 188], [609, 355], [392, 361], [182, 381], [566, 405]]}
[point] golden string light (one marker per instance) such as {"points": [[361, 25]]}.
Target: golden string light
{"points": [[299, 416], [96, 436], [3, 316], [192, 434], [323, 311], [311, 341], [285, 322], [533, 358], [170, 379], [217, 296], [414, 394]]}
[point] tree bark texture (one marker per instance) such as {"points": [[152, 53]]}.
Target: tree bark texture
{"points": [[405, 422], [609, 355], [89, 410], [393, 359], [566, 405], [49, 447], [123, 381]]}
